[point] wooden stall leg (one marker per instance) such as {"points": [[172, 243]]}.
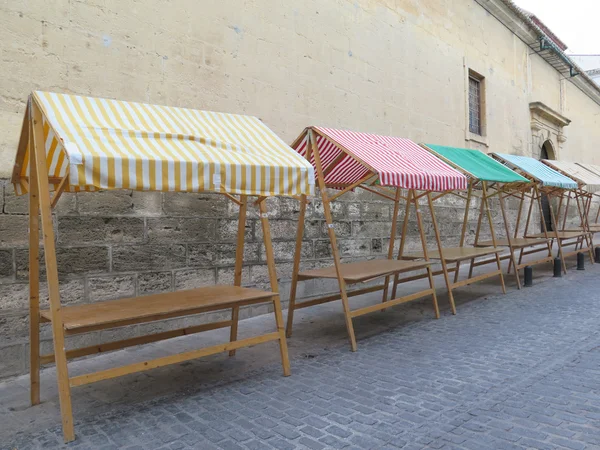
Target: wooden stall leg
{"points": [[402, 239], [62, 373], [555, 228], [264, 221], [463, 233], [493, 233], [509, 239], [34, 280], [392, 239], [333, 240], [442, 260], [538, 199], [296, 267], [239, 262], [479, 220]]}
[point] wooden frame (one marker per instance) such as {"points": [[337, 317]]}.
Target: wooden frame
{"points": [[71, 320], [522, 244], [352, 273], [562, 238], [456, 255]]}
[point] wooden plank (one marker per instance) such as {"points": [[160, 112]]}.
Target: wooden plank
{"points": [[477, 278], [171, 359], [34, 271], [127, 311], [390, 303], [296, 267], [361, 271], [62, 374], [333, 297], [239, 263], [139, 340]]}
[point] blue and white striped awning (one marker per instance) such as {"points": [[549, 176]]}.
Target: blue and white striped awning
{"points": [[538, 170]]}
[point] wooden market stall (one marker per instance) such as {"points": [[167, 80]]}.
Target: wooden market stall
{"points": [[589, 186], [345, 161], [594, 225], [493, 179], [554, 185], [71, 143]]}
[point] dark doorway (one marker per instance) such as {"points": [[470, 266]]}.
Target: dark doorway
{"points": [[546, 153]]}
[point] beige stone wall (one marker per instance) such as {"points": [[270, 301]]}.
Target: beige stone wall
{"points": [[385, 66]]}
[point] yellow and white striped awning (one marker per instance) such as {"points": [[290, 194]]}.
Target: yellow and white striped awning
{"points": [[110, 144]]}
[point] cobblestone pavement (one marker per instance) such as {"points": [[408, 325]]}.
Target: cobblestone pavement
{"points": [[508, 372]]}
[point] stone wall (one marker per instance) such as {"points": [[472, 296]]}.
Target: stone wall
{"points": [[122, 243]]}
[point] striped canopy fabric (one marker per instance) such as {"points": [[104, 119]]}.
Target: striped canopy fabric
{"points": [[398, 162], [110, 144], [477, 164], [538, 170], [583, 176]]}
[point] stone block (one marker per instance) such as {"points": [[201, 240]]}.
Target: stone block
{"points": [[341, 228], [67, 204], [195, 205], [322, 249], [111, 287], [290, 207], [226, 275], [376, 211], [14, 360], [227, 230], [15, 204], [72, 291], [338, 210], [14, 296], [147, 203], [259, 274], [204, 254], [284, 251], [14, 328], [225, 253], [7, 269], [354, 247], [371, 229], [87, 230], [105, 203], [154, 282], [280, 229], [179, 229], [13, 230], [129, 258], [91, 259], [193, 278]]}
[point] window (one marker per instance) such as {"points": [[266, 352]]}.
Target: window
{"points": [[475, 105]]}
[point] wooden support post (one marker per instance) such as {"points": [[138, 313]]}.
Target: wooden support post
{"points": [[555, 228], [538, 198], [442, 260], [566, 214], [392, 239], [479, 220], [34, 275], [585, 226], [62, 374], [239, 263], [509, 239], [333, 240], [402, 239], [493, 233], [296, 267], [463, 233], [285, 360]]}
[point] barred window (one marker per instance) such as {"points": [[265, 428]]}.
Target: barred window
{"points": [[475, 125]]}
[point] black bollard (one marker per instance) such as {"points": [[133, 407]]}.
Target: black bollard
{"points": [[557, 268], [580, 261], [597, 254], [528, 276]]}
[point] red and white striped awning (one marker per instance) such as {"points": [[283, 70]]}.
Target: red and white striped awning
{"points": [[399, 162]]}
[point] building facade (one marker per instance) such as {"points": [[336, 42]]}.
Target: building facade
{"points": [[469, 73]]}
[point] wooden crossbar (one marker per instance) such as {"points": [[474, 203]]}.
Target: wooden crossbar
{"points": [[393, 302], [171, 359]]}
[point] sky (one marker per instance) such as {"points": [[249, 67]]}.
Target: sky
{"points": [[575, 22]]}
